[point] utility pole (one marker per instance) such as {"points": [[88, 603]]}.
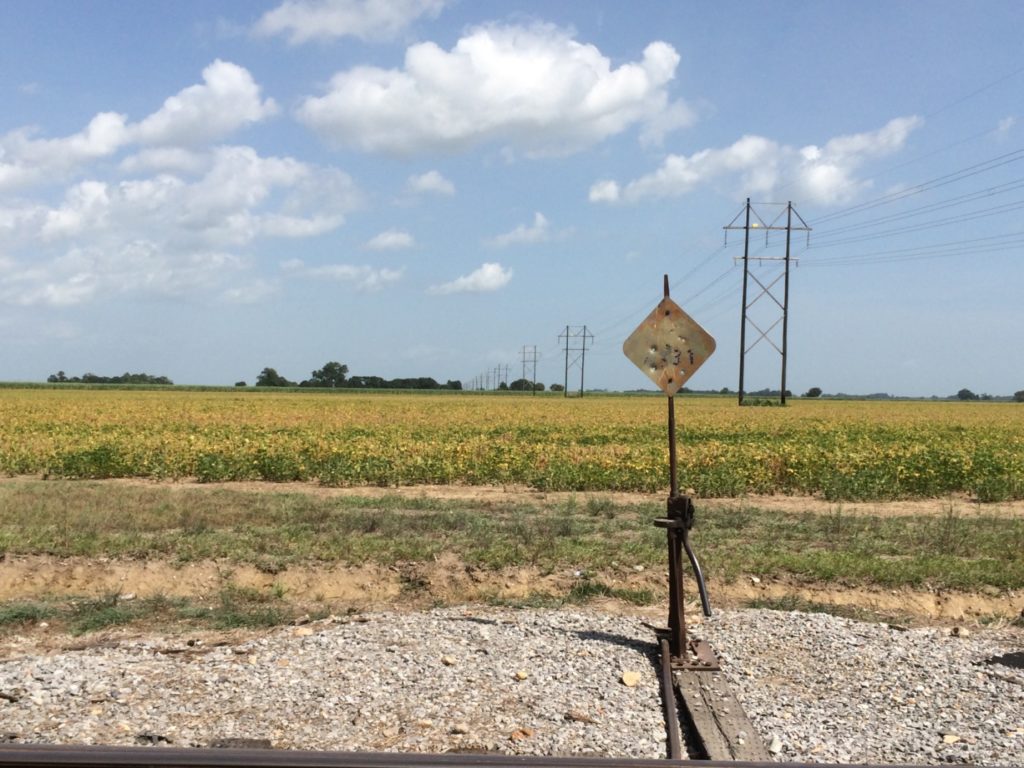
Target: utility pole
{"points": [[747, 213], [526, 358], [576, 340]]}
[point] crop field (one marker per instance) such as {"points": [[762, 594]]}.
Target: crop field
{"points": [[840, 450]]}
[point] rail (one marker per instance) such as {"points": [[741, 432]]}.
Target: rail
{"points": [[49, 756]]}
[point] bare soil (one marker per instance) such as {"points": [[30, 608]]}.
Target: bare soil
{"points": [[513, 494], [448, 580]]}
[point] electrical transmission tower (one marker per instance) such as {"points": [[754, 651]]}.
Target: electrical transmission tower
{"points": [[529, 355], [767, 286], [576, 340]]}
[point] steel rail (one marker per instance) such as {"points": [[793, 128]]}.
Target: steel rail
{"points": [[668, 700], [63, 756]]}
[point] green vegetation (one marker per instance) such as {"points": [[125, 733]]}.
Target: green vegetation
{"points": [[276, 530]]}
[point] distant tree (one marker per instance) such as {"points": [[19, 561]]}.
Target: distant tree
{"points": [[240, 384], [538, 386], [966, 394], [521, 385], [124, 378], [503, 387], [557, 388], [813, 392], [456, 384], [332, 375], [1018, 397], [270, 378]]}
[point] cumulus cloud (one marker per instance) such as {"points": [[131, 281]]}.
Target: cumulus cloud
{"points": [[538, 232], [364, 278], [164, 234], [227, 100], [304, 20], [391, 240], [532, 88], [757, 165], [431, 182], [489, 277], [26, 160], [604, 192], [170, 159]]}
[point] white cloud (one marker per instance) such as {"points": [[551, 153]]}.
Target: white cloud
{"points": [[171, 159], [604, 192], [489, 277], [533, 88], [391, 240], [1006, 125], [756, 165], [84, 274], [163, 234], [227, 100], [305, 20], [539, 232], [249, 293], [363, 277], [431, 182], [25, 160]]}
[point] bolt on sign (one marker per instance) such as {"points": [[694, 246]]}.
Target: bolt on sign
{"points": [[669, 346]]}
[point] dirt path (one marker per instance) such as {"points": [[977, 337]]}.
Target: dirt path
{"points": [[499, 495]]}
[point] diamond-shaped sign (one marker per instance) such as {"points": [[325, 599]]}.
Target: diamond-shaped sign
{"points": [[669, 346]]}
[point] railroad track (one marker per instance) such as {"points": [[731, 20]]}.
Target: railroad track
{"points": [[46, 756]]}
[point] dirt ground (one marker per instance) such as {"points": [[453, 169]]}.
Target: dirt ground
{"points": [[448, 580], [513, 494]]}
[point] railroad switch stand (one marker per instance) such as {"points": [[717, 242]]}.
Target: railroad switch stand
{"points": [[669, 346]]}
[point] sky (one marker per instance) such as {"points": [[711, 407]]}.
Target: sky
{"points": [[435, 188]]}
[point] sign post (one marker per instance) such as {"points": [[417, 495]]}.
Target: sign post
{"points": [[669, 346]]}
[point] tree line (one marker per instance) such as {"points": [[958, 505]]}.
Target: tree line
{"points": [[334, 375], [91, 378]]}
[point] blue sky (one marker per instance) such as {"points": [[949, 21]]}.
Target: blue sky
{"points": [[426, 187]]}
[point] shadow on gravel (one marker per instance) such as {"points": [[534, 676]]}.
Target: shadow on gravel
{"points": [[1014, 659], [650, 650]]}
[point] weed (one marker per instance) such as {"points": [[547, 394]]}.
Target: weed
{"points": [[25, 613]]}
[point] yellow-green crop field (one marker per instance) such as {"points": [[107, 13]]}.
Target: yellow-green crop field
{"points": [[837, 449]]}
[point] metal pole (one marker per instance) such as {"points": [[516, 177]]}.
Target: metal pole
{"points": [[565, 387], [785, 301], [743, 314], [583, 359], [533, 381]]}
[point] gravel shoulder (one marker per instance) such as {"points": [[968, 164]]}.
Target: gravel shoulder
{"points": [[525, 682]]}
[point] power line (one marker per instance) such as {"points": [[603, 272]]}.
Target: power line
{"points": [[998, 189], [938, 181], [970, 216]]}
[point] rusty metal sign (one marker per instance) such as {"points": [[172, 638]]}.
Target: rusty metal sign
{"points": [[669, 346]]}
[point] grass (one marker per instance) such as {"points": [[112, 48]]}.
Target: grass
{"points": [[233, 608], [274, 530]]}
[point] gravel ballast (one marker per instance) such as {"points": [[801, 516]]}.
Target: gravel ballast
{"points": [[817, 687]]}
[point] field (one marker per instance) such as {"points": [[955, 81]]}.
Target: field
{"points": [[909, 509], [836, 450]]}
